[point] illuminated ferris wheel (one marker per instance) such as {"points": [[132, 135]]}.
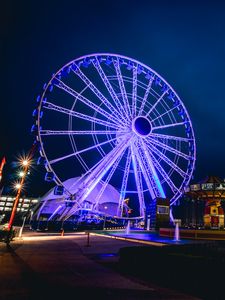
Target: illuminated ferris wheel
{"points": [[112, 120]]}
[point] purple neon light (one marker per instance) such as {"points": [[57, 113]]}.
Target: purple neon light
{"points": [[134, 123]]}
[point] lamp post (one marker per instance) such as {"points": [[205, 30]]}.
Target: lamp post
{"points": [[24, 163], [105, 207]]}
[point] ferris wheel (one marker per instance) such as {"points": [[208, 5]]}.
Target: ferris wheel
{"points": [[111, 119]]}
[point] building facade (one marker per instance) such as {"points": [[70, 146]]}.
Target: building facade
{"points": [[24, 206]]}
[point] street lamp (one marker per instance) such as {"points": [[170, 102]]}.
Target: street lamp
{"points": [[24, 164], [105, 207]]}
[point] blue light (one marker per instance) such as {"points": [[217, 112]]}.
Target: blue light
{"points": [[35, 113], [100, 59], [129, 66], [148, 75], [86, 63], [41, 161], [157, 81], [171, 96], [65, 71], [108, 61], [49, 176], [38, 98], [164, 87], [121, 61], [34, 128], [58, 190], [68, 70], [74, 67], [140, 69]]}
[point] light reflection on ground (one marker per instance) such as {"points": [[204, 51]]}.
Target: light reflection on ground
{"points": [[148, 236]]}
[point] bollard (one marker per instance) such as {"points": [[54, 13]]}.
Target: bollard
{"points": [[88, 239], [62, 232]]}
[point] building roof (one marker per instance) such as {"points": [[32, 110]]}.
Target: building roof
{"points": [[110, 194]]}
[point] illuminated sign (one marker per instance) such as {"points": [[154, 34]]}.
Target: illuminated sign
{"points": [[195, 187]]}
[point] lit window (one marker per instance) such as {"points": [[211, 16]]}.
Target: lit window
{"points": [[162, 209]]}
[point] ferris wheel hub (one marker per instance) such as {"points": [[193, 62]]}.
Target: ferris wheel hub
{"points": [[141, 126]]}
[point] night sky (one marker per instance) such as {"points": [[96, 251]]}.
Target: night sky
{"points": [[183, 41]]}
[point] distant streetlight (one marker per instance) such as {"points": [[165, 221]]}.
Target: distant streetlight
{"points": [[25, 162], [21, 174], [17, 186]]}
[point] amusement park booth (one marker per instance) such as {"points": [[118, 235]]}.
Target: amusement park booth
{"points": [[211, 190], [158, 213]]}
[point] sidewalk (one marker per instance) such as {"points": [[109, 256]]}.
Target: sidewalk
{"points": [[56, 267]]}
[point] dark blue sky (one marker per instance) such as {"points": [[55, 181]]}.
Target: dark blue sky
{"points": [[183, 41]]}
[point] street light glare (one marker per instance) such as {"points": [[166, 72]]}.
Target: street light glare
{"points": [[17, 186], [25, 162], [21, 173]]}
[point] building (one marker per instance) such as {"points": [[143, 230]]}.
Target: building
{"points": [[24, 206], [54, 207]]}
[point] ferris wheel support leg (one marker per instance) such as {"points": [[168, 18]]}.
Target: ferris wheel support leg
{"points": [[124, 185], [151, 179], [138, 183], [40, 210], [104, 185], [54, 212]]}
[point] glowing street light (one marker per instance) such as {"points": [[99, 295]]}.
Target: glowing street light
{"points": [[17, 186], [25, 162], [21, 174]]}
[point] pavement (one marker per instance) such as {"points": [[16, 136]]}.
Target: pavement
{"points": [[50, 266]]}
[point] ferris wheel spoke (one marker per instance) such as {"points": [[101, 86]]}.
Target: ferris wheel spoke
{"points": [[156, 103], [109, 88], [51, 106], [165, 113], [168, 161], [122, 88], [148, 171], [88, 172], [124, 184], [166, 147], [79, 132], [163, 173], [169, 125], [147, 91], [61, 85], [96, 91], [134, 92], [98, 173], [81, 151], [138, 180], [105, 183], [170, 137]]}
